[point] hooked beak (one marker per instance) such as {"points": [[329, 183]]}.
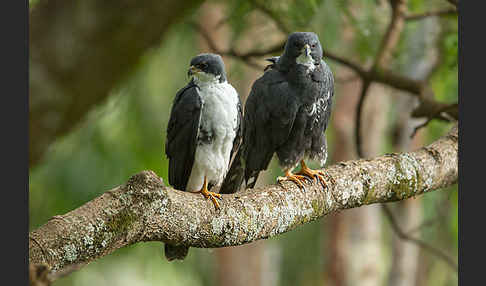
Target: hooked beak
{"points": [[192, 70], [307, 50]]}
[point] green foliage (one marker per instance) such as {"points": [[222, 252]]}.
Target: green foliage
{"points": [[445, 79], [237, 18], [126, 134], [123, 136]]}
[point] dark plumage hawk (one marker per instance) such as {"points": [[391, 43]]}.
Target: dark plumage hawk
{"points": [[203, 132], [286, 113]]}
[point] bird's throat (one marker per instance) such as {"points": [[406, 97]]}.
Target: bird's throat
{"points": [[307, 61], [202, 78]]}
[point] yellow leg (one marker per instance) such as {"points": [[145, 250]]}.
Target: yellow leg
{"points": [[207, 194], [298, 179], [306, 171]]}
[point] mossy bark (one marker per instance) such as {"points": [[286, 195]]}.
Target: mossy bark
{"points": [[144, 209]]}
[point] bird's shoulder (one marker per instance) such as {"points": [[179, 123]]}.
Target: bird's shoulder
{"points": [[271, 84], [185, 109], [189, 93], [268, 90], [272, 76]]}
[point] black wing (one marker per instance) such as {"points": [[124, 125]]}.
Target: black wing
{"points": [[269, 116], [234, 176], [268, 119], [182, 131], [239, 131], [326, 77]]}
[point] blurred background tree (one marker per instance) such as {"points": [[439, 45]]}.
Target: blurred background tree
{"points": [[102, 79]]}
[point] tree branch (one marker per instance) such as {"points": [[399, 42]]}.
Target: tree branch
{"points": [[387, 77], [387, 45], [247, 57], [359, 109], [144, 209]]}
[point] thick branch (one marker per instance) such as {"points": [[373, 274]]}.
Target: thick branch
{"points": [[145, 210]]}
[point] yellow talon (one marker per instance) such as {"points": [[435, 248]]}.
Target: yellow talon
{"points": [[298, 179], [306, 171], [211, 195]]}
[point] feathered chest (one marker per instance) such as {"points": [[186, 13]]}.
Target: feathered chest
{"points": [[219, 114], [313, 97]]}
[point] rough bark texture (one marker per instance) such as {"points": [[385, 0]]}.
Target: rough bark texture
{"points": [[79, 50], [144, 209]]}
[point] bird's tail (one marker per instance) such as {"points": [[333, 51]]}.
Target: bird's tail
{"points": [[175, 252], [234, 178]]}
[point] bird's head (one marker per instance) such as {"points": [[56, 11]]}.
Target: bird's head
{"points": [[303, 48], [207, 68]]}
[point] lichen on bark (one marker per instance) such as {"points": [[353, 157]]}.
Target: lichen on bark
{"points": [[144, 209]]}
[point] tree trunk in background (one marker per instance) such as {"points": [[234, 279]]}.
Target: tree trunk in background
{"points": [[342, 122], [253, 264], [355, 235], [363, 243], [404, 267], [249, 264], [423, 57]]}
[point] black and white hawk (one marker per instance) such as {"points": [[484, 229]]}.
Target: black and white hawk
{"points": [[204, 131], [286, 113]]}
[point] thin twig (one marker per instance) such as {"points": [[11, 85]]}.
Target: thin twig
{"points": [[247, 58], [441, 214], [362, 72], [388, 44], [359, 109], [445, 113], [375, 74], [435, 251]]}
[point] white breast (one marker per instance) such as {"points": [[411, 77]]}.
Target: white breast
{"points": [[219, 106], [220, 113]]}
